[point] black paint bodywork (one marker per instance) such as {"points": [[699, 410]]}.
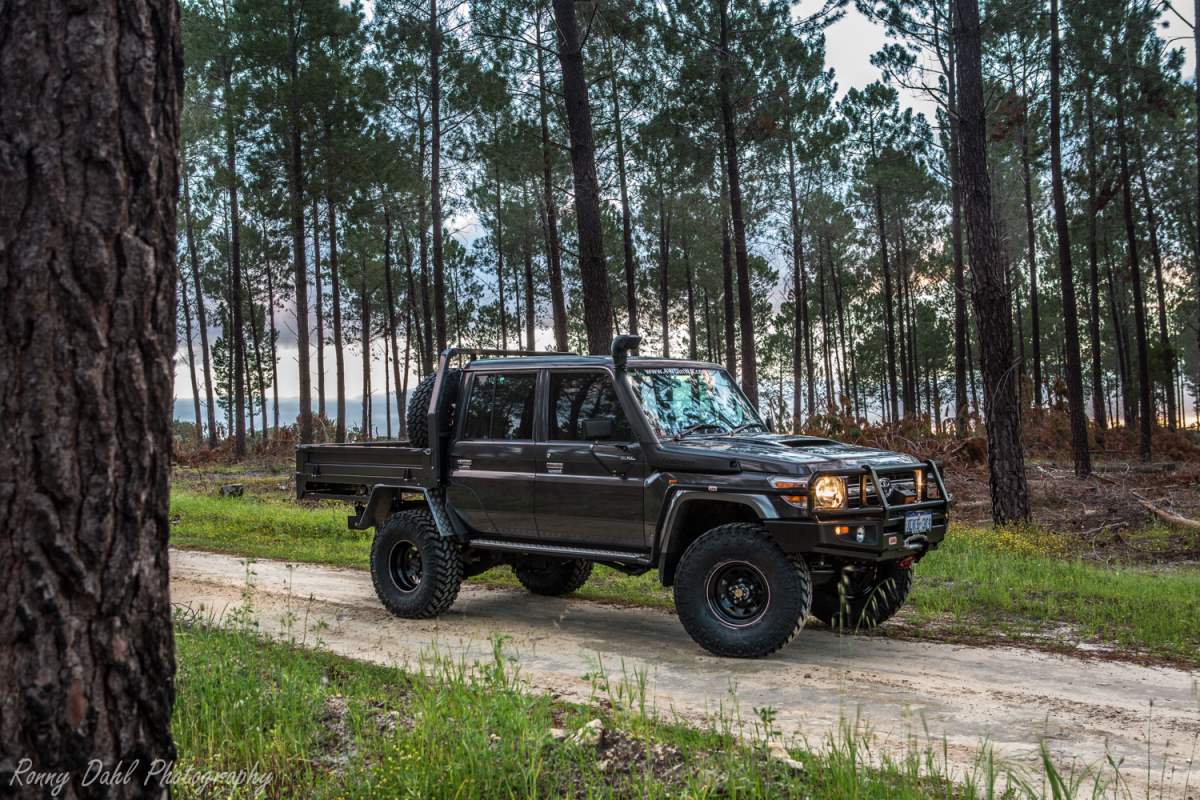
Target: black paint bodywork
{"points": [[634, 505]]}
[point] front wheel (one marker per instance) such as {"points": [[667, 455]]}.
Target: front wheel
{"points": [[738, 594], [416, 571], [864, 598]]}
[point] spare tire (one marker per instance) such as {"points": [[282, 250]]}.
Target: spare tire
{"points": [[417, 415]]}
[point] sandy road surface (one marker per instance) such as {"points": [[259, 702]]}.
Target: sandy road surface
{"points": [[1012, 697]]}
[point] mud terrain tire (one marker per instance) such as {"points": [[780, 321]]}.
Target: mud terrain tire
{"points": [[556, 579], [738, 594], [854, 604], [417, 416], [416, 571]]}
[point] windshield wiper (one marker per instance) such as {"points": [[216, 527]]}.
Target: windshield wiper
{"points": [[747, 426], [699, 426]]}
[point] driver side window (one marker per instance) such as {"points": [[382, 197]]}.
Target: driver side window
{"points": [[578, 396]]}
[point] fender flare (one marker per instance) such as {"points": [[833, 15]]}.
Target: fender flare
{"points": [[681, 497], [382, 498]]}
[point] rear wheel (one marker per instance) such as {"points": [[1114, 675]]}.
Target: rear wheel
{"points": [[553, 578], [738, 594], [416, 571], [864, 597]]}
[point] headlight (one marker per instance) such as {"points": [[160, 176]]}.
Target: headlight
{"points": [[919, 484], [829, 493]]}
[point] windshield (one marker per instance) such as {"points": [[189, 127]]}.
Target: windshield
{"points": [[678, 401]]}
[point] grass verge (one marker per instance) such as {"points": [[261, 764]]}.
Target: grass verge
{"points": [[1018, 585], [311, 724]]}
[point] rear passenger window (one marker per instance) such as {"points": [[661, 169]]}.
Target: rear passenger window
{"points": [[500, 407], [576, 396]]}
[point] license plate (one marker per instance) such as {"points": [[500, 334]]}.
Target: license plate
{"points": [[918, 522]]}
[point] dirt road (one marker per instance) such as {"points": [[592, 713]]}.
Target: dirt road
{"points": [[1149, 717]]}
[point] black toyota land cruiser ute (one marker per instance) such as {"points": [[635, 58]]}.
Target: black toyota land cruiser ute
{"points": [[552, 463]]}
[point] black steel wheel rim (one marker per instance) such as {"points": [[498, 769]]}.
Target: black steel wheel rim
{"points": [[404, 566], [738, 593]]}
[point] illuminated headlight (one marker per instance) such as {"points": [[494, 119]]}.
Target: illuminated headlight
{"points": [[829, 493], [919, 484], [798, 499]]}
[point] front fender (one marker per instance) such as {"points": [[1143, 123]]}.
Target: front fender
{"points": [[668, 542]]}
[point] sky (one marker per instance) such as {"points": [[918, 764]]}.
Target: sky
{"points": [[849, 45]]}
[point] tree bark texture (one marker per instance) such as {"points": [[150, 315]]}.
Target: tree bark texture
{"points": [[89, 136], [1006, 457], [201, 317], [1079, 439], [295, 174], [593, 270], [729, 129], [1145, 403]]}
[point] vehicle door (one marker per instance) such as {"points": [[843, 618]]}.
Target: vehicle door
{"points": [[588, 491], [492, 458]]}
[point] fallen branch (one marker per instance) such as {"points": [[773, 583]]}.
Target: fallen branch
{"points": [[1166, 516]]}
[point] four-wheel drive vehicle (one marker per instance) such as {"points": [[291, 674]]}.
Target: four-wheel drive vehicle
{"points": [[552, 463]]}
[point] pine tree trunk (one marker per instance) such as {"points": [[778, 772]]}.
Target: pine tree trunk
{"points": [[727, 281], [335, 291], [1079, 440], [295, 174], [1006, 458], [626, 222], [1145, 404], [237, 333], [691, 300], [201, 317], [425, 322], [664, 261], [1196, 236], [825, 337], [956, 244], [391, 311], [593, 271], [1031, 255], [258, 363], [745, 307], [1124, 379], [319, 305], [500, 256], [530, 299], [888, 303], [798, 294], [274, 336], [1098, 411], [402, 387], [365, 317], [412, 297], [1164, 338], [435, 175], [89, 120], [187, 324], [558, 305]]}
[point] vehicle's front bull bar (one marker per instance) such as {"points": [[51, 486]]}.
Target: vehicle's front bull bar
{"points": [[883, 511]]}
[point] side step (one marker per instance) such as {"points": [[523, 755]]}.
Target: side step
{"points": [[564, 551]]}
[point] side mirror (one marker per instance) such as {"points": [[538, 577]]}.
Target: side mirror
{"points": [[598, 428]]}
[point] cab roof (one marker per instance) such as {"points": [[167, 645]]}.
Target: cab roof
{"points": [[561, 360]]}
